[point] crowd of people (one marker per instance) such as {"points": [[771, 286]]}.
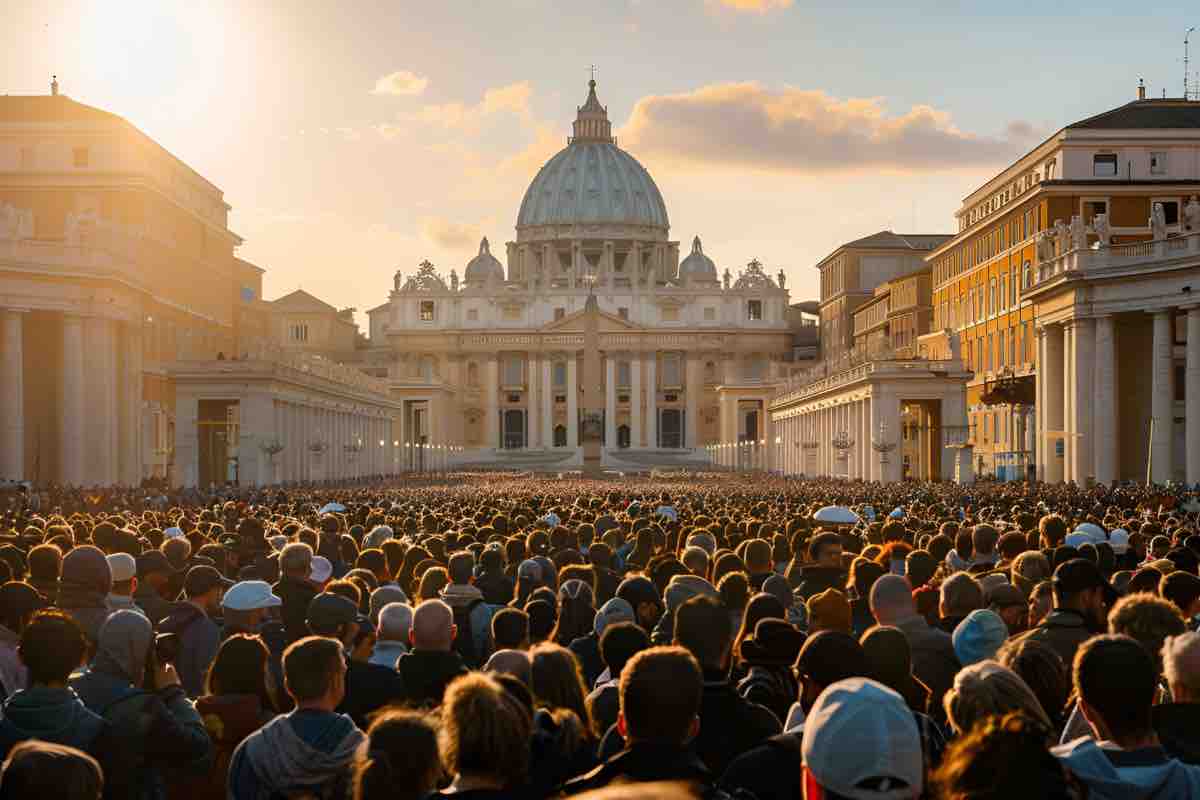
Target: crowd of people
{"points": [[704, 636]]}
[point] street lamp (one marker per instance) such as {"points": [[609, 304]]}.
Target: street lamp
{"points": [[882, 446]]}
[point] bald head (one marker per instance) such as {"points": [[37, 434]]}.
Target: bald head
{"points": [[891, 599], [433, 626]]}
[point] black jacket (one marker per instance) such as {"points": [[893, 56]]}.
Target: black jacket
{"points": [[1178, 729], [369, 687], [643, 763], [587, 651], [296, 595], [497, 588], [813, 579], [426, 673]]}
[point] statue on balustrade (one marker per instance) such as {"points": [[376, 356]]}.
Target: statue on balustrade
{"points": [[1191, 215], [1101, 228], [1062, 235], [453, 281], [782, 279], [397, 280], [1078, 233], [1158, 222], [727, 277]]}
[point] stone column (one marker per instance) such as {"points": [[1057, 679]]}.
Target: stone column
{"points": [[100, 369], [635, 401], [1105, 401], [491, 419], [572, 401], [691, 398], [610, 400], [1191, 416], [652, 399], [132, 450], [1051, 368], [12, 398], [1163, 403], [547, 402], [1068, 377], [1039, 404], [531, 377], [1083, 347]]}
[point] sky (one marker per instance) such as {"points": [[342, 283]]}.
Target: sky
{"points": [[357, 138]]}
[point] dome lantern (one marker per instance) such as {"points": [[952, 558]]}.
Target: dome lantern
{"points": [[591, 120], [484, 267]]}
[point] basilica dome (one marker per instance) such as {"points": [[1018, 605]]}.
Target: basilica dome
{"points": [[592, 180], [483, 267], [697, 266]]}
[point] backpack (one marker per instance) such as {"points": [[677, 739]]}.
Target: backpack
{"points": [[464, 640]]}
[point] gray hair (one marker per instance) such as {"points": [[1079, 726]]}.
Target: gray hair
{"points": [[961, 594], [1181, 664], [395, 621], [295, 557]]}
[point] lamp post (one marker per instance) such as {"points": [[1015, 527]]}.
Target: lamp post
{"points": [[842, 442], [271, 449], [883, 446]]}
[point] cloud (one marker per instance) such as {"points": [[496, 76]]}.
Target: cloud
{"points": [[513, 99], [755, 6], [450, 235], [402, 83], [750, 126], [1020, 130]]}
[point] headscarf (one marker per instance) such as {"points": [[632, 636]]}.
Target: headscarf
{"points": [[125, 641]]}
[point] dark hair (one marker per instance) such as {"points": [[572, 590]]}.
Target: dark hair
{"points": [[373, 560], [461, 567], [310, 665], [1053, 529], [510, 628], [1181, 588], [968, 770], [820, 542], [45, 562], [1117, 677], [1042, 670], [41, 769], [704, 628], [761, 606], [620, 642], [399, 758], [240, 667], [660, 695], [486, 730], [52, 646]]}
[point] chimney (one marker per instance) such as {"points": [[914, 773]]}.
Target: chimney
{"points": [[1141, 89], [54, 86]]}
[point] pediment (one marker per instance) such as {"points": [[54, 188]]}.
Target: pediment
{"points": [[301, 301], [574, 323]]}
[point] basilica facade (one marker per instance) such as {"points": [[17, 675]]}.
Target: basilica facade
{"points": [[593, 341]]}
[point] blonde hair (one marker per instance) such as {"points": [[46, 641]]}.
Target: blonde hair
{"points": [[485, 730], [987, 688]]}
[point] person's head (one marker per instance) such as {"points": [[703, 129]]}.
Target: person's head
{"points": [[242, 667], [985, 689], [1011, 604], [314, 672], [960, 595], [1043, 672], [433, 581], [295, 560], [51, 647], [703, 627], [826, 658], [40, 769], [888, 655], [1079, 586], [660, 694], [45, 563], [1041, 602], [891, 600], [395, 623], [1182, 589], [969, 766], [461, 567], [758, 556], [1148, 619], [1052, 530], [399, 758], [643, 597], [829, 611], [18, 602], [620, 642], [123, 646], [485, 732], [1029, 569], [1181, 665], [334, 615], [1117, 681], [825, 550], [978, 636], [510, 629], [557, 680], [861, 741], [433, 626], [696, 561], [123, 568]]}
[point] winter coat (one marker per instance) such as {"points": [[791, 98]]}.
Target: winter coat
{"points": [[305, 752], [52, 715], [1113, 774], [199, 638], [426, 673]]}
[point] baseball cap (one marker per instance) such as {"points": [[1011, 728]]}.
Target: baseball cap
{"points": [[152, 561], [277, 542], [122, 566], [250, 596], [202, 579], [529, 570], [1077, 539], [979, 636], [615, 610], [861, 742], [1119, 540], [328, 610], [173, 533], [321, 569], [1079, 575]]}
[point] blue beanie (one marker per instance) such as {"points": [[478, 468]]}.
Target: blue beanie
{"points": [[979, 636]]}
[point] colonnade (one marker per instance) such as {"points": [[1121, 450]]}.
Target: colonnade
{"points": [[328, 441]]}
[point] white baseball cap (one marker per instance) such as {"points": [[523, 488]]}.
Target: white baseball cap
{"points": [[122, 566], [173, 533], [250, 596], [321, 571], [1119, 539]]}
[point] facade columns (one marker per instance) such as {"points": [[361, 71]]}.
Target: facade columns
{"points": [[1192, 396], [12, 398], [610, 401], [652, 400], [1105, 404], [72, 407], [1083, 357], [572, 401], [547, 398], [531, 414], [491, 419], [635, 401], [1052, 408], [1068, 378], [691, 383], [1163, 394]]}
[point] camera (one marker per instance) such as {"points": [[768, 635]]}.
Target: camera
{"points": [[166, 647]]}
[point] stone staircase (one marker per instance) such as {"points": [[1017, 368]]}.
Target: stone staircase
{"points": [[532, 460], [647, 460]]}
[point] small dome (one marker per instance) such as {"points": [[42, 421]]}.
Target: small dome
{"points": [[697, 266], [483, 267]]}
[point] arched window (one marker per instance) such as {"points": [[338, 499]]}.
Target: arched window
{"points": [[560, 435]]}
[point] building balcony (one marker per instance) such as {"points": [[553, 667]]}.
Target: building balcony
{"points": [[1062, 261]]}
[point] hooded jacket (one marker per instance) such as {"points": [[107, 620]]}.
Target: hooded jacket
{"points": [[1063, 630], [199, 638], [13, 674], [84, 587], [1113, 774], [460, 596], [305, 752], [681, 589], [52, 715]]}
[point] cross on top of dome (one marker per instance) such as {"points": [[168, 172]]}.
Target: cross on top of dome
{"points": [[591, 121]]}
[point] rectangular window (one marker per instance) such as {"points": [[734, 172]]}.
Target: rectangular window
{"points": [[1093, 207], [1158, 163], [710, 314], [672, 370], [1170, 211], [1001, 352], [559, 399], [79, 156], [512, 312], [560, 373], [754, 310], [559, 313], [427, 310], [1104, 165], [990, 355], [513, 371], [1012, 348]]}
